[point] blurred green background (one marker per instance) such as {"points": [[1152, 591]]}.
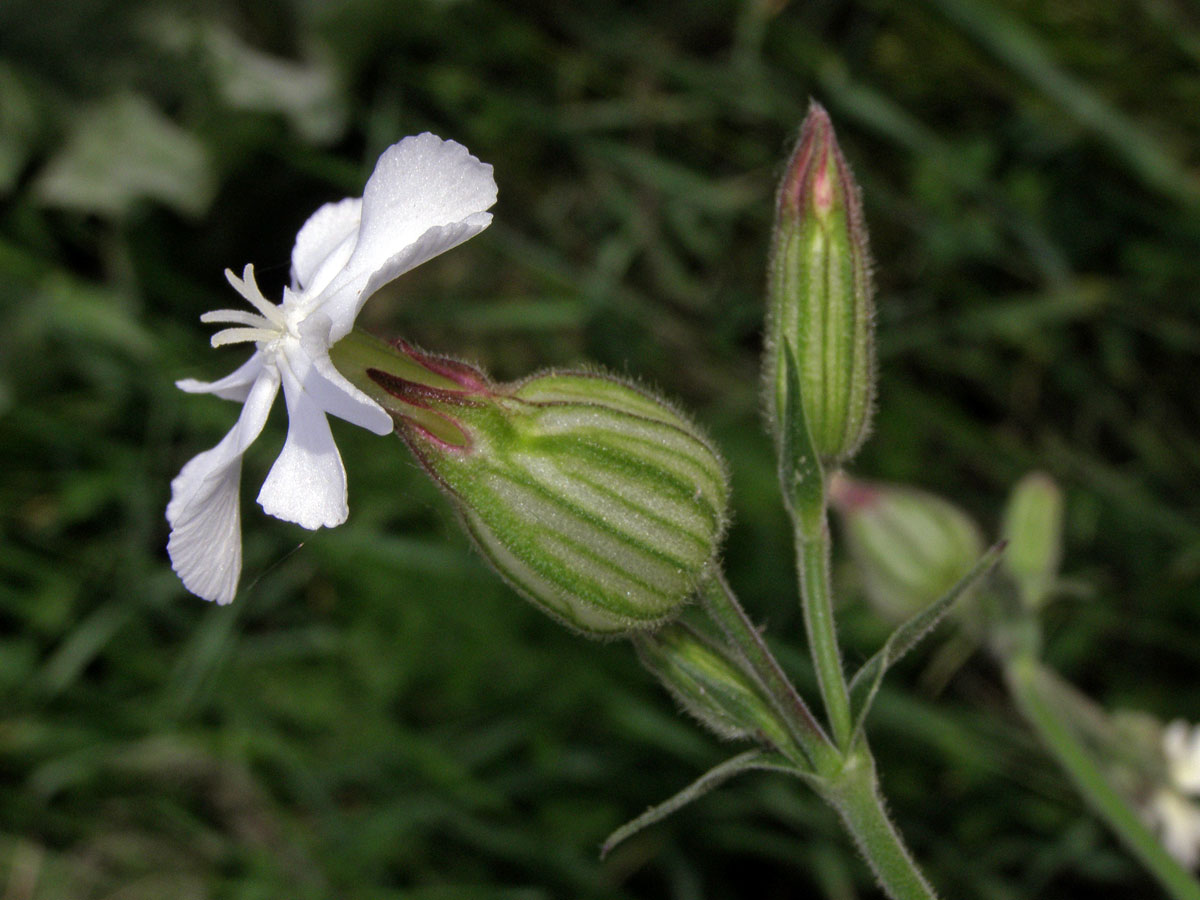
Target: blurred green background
{"points": [[376, 716]]}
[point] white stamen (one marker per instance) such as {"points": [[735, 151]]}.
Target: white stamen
{"points": [[243, 335]]}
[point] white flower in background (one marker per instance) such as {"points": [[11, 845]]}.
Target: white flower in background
{"points": [[1173, 809], [1181, 744], [1177, 819], [425, 196]]}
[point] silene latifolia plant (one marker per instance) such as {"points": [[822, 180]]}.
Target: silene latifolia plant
{"points": [[598, 501], [601, 503]]}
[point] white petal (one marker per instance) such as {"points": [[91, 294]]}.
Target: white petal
{"points": [[325, 243], [1175, 739], [342, 306], [1181, 746], [234, 386], [421, 183], [1189, 780], [433, 242], [328, 388], [205, 545], [191, 479], [206, 537], [1179, 824], [307, 484]]}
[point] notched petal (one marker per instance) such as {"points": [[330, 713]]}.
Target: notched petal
{"points": [[307, 484], [420, 184], [205, 545]]}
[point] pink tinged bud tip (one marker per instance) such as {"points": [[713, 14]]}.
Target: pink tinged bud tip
{"points": [[823, 189], [809, 177]]}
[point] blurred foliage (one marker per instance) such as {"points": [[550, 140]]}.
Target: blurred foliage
{"points": [[376, 716]]}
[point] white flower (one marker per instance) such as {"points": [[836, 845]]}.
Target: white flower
{"points": [[1177, 819], [425, 196], [1172, 808], [1181, 745]]}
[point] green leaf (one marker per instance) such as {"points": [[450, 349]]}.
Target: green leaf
{"points": [[22, 127], [124, 150], [865, 683], [307, 92], [800, 474], [751, 760]]}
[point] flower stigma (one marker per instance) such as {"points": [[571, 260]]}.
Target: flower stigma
{"points": [[272, 322]]}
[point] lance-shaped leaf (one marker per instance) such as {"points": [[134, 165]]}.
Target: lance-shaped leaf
{"points": [[801, 476], [751, 760], [865, 684]]}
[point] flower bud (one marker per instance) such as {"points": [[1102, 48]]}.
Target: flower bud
{"points": [[597, 501], [910, 546], [1033, 525], [710, 685], [820, 297]]}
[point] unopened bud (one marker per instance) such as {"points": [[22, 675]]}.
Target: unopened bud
{"points": [[911, 546], [710, 685], [596, 500], [1033, 525], [820, 297]]}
